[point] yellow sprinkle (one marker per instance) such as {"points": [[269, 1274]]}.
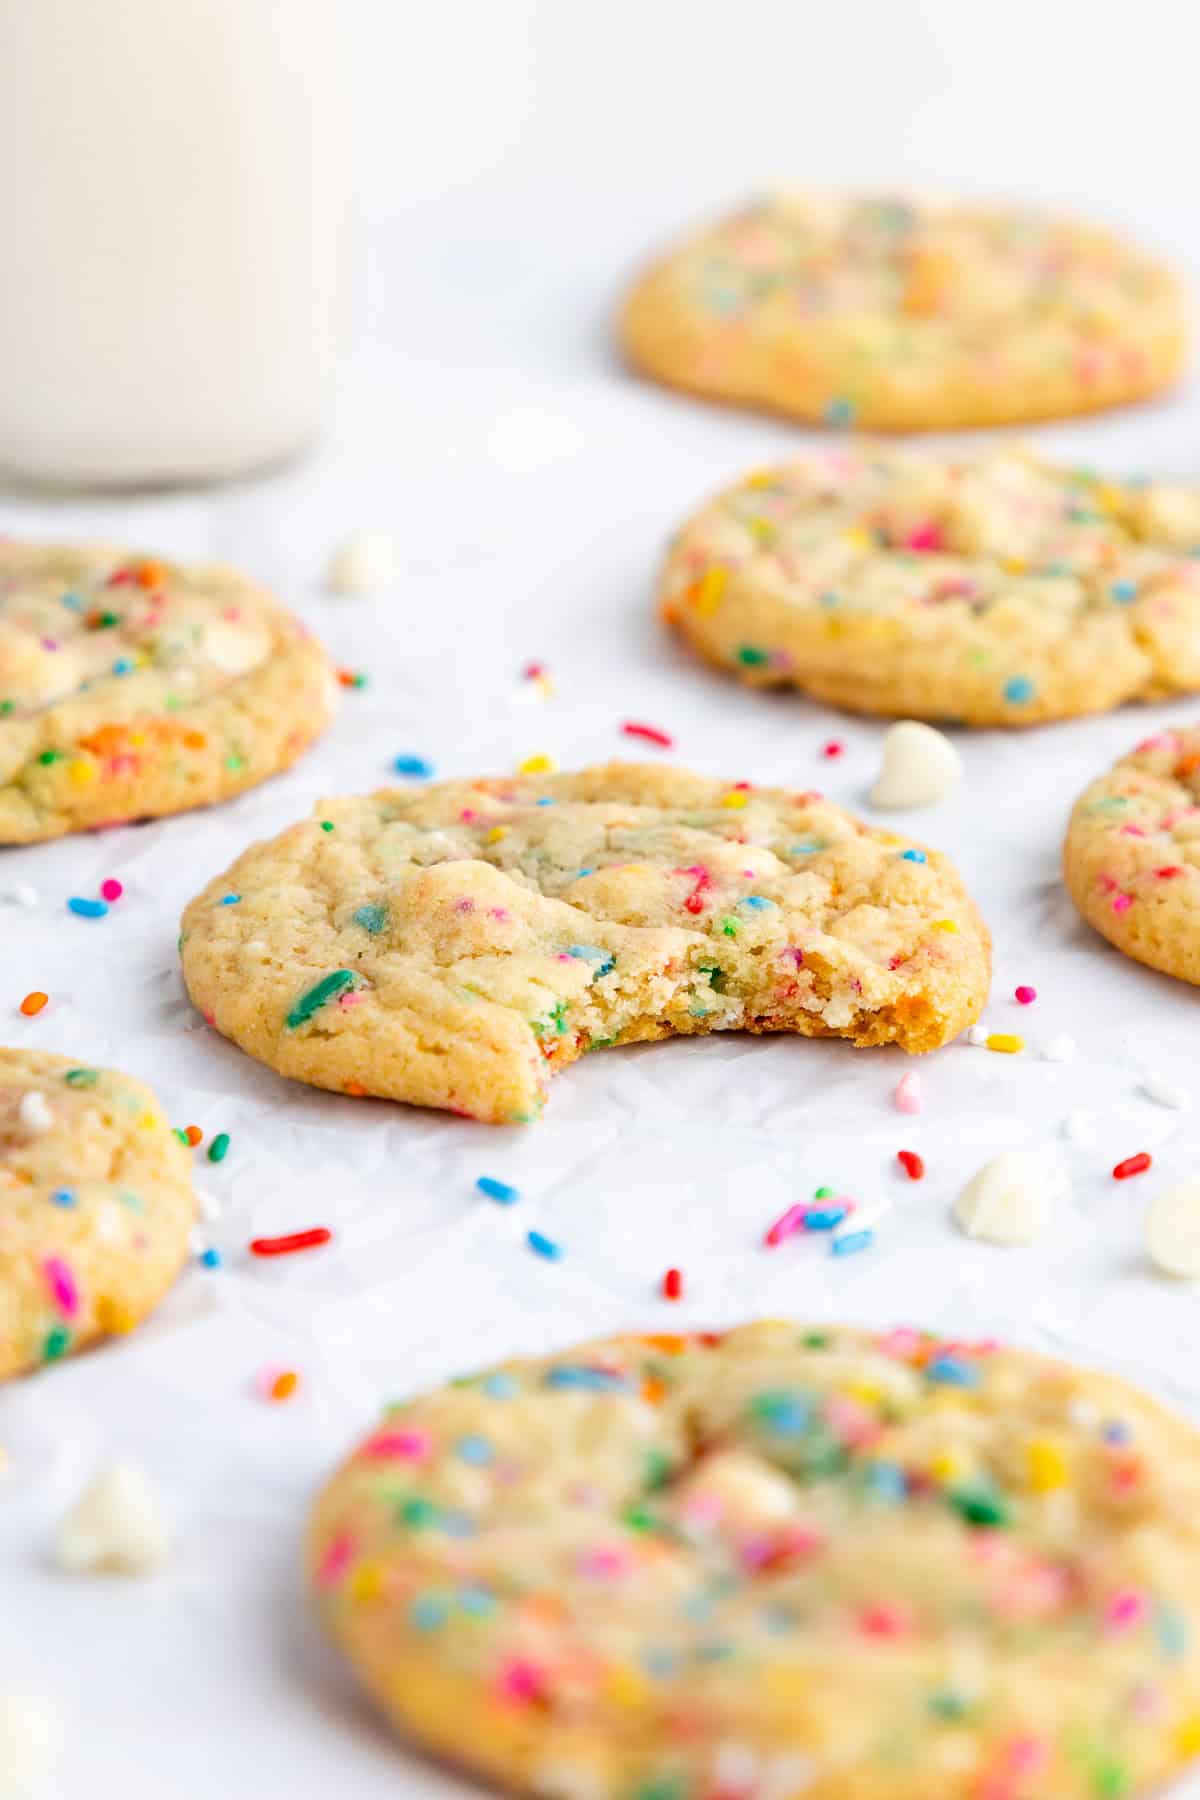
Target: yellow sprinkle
{"points": [[496, 833], [869, 1393], [763, 531], [1187, 1735], [114, 1316], [945, 925], [537, 765], [1013, 565], [81, 773], [761, 478], [624, 1686], [948, 1464], [1005, 1041], [1046, 1465], [733, 798], [858, 539], [148, 1121], [706, 594], [366, 1583]]}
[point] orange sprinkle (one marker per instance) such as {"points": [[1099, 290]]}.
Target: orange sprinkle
{"points": [[33, 1003], [151, 573], [194, 740], [653, 1390], [284, 1385], [193, 1134], [356, 1088]]}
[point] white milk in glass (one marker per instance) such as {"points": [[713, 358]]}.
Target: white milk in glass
{"points": [[172, 188]]}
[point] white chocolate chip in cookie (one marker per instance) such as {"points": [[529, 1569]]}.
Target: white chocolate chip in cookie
{"points": [[1173, 1231], [920, 767], [1008, 1201], [117, 1526]]}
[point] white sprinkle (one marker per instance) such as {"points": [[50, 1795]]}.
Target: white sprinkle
{"points": [[920, 767], [363, 564], [1084, 1413], [1009, 1200], [1159, 1087], [863, 1218], [1080, 1127], [30, 1741], [908, 1096], [210, 1209], [117, 1525], [977, 1035], [1061, 1048], [197, 1241], [1173, 1231], [34, 1112], [19, 893]]}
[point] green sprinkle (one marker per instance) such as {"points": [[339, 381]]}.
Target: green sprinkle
{"points": [[658, 1469], [235, 762], [1110, 1779], [816, 1340], [56, 1344], [317, 997], [729, 927], [6, 706], [219, 1146], [823, 1193], [979, 1506], [750, 656], [944, 1703], [182, 1136], [50, 756], [417, 1513], [326, 824], [638, 1518], [81, 1077]]}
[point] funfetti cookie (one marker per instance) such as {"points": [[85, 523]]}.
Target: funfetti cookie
{"points": [[1132, 854], [131, 687], [785, 1563], [905, 314], [456, 945], [992, 589], [96, 1206]]}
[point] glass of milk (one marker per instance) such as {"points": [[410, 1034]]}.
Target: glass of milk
{"points": [[172, 194]]}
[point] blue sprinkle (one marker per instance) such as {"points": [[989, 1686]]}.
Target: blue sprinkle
{"points": [[456, 1524], [371, 918], [73, 601], [824, 1218], [63, 1196], [952, 1371], [87, 909], [544, 1246], [851, 1242], [1171, 1630], [590, 953], [478, 1602], [1124, 590], [829, 598], [498, 1190], [757, 901], [1019, 689], [1116, 1432], [474, 1449], [428, 1611], [123, 666], [839, 412], [659, 1663], [210, 1259], [580, 1375], [783, 1413], [807, 847], [230, 899], [501, 1386], [413, 765], [584, 872], [914, 856], [887, 1481], [546, 802]]}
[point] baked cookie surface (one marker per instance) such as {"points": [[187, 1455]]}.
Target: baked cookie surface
{"points": [[904, 315], [995, 589], [778, 1563], [455, 946], [96, 1206], [130, 688], [1131, 859]]}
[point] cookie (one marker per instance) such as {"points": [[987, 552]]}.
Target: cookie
{"points": [[457, 945], [907, 315], [995, 589], [96, 1206], [777, 1563], [131, 687], [1132, 854]]}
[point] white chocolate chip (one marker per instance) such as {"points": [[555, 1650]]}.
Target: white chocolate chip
{"points": [[1160, 1087], [1008, 1200], [920, 767], [34, 1112], [117, 1526], [1061, 1048], [1173, 1231], [363, 564], [30, 1741]]}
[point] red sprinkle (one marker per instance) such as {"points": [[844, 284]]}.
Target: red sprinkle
{"points": [[296, 1240], [1165, 874], [1133, 1165], [1026, 996], [532, 671], [911, 1163], [650, 733], [111, 889], [833, 748], [672, 1285]]}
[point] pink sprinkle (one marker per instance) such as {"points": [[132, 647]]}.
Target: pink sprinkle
{"points": [[908, 1094], [884, 1622], [354, 998], [464, 906], [1126, 1608], [1026, 996], [833, 748], [521, 1681], [111, 889], [61, 1283], [786, 1225], [925, 537], [604, 1564], [336, 1560], [401, 1446], [1122, 903], [901, 1341]]}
